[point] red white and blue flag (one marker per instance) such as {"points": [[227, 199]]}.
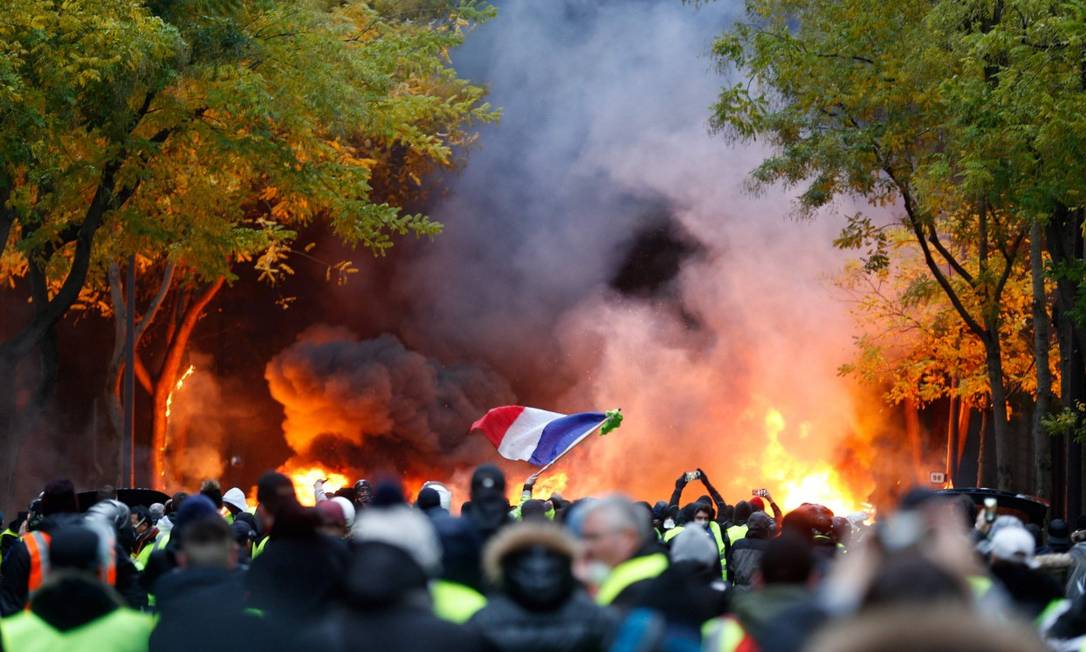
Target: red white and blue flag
{"points": [[537, 436]]}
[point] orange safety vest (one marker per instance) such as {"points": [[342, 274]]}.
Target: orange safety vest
{"points": [[37, 545]]}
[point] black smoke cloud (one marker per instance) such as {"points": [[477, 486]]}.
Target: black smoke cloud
{"points": [[601, 251], [372, 405]]}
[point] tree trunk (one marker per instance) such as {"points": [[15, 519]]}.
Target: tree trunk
{"points": [[167, 377], [952, 438], [1064, 242], [111, 395], [1001, 429], [25, 413], [965, 415], [1042, 453], [983, 451]]}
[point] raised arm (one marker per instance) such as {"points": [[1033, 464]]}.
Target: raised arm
{"points": [[718, 500], [529, 485], [777, 515], [677, 495]]}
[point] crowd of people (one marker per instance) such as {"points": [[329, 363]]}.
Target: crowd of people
{"points": [[369, 568]]}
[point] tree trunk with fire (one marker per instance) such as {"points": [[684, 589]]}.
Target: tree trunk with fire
{"points": [[187, 312]]}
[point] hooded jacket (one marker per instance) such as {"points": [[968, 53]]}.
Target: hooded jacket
{"points": [[386, 608], [204, 609], [1030, 590], [299, 574], [746, 554], [540, 607], [71, 612], [15, 569]]}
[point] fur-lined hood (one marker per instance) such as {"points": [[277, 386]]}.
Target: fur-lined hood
{"points": [[521, 536]]}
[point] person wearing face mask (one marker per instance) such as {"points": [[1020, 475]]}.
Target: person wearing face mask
{"points": [[700, 515], [539, 606], [706, 511], [714, 501], [621, 554]]}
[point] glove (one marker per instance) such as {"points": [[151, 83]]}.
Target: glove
{"points": [[704, 477], [681, 482]]}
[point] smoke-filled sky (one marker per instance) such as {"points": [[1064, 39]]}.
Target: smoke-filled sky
{"points": [[600, 251]]}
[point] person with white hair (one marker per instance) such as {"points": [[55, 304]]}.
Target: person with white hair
{"points": [[620, 550]]}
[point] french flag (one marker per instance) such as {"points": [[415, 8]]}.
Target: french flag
{"points": [[536, 436]]}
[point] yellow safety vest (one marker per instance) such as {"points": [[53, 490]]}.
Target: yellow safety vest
{"points": [[145, 554], [979, 584], [122, 630], [723, 634], [629, 572], [737, 532], [455, 602], [721, 549], [258, 548], [1059, 604], [9, 534]]}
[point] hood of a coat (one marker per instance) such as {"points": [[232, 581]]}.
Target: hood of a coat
{"points": [[382, 575], [68, 600]]}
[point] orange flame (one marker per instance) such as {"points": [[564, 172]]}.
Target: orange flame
{"points": [[555, 482], [177, 387], [304, 477], [799, 481]]}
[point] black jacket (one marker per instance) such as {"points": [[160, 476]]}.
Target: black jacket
{"points": [[1030, 590], [635, 593], [687, 595], [579, 625], [14, 585], [386, 608], [295, 579], [746, 557], [204, 609]]}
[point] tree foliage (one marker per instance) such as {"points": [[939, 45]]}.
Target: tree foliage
{"points": [[200, 135], [963, 116], [269, 115]]}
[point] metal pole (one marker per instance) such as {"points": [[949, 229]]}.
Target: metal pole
{"points": [[129, 443]]}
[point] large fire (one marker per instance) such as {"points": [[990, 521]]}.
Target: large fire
{"points": [[304, 478], [796, 481]]}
